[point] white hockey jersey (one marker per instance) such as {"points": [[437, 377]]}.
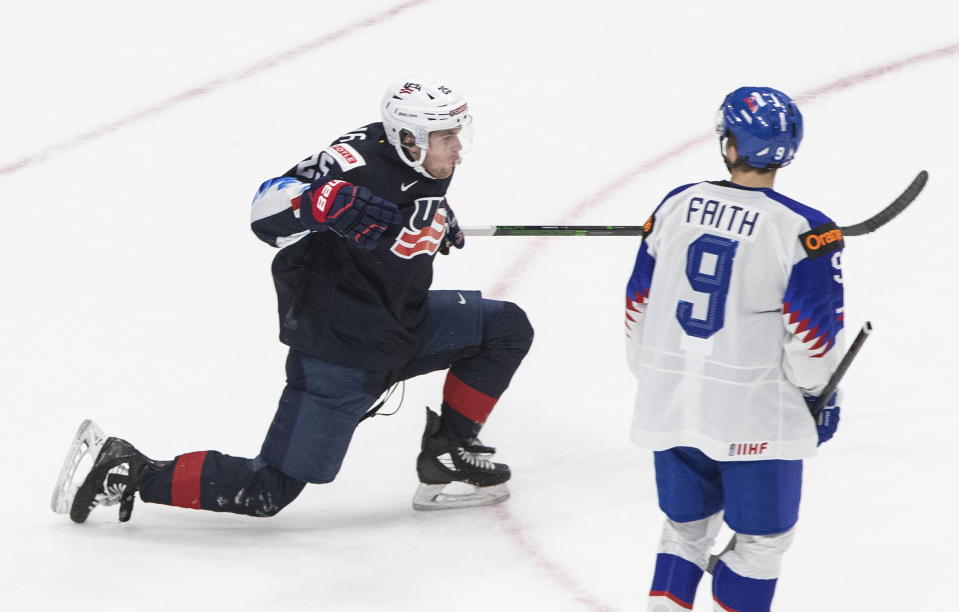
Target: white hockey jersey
{"points": [[733, 312]]}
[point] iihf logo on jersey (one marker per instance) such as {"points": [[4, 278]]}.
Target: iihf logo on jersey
{"points": [[425, 230], [748, 448]]}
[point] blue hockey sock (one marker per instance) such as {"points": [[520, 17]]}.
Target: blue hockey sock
{"points": [[676, 579], [734, 592]]}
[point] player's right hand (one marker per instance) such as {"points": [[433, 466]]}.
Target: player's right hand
{"points": [[351, 211], [828, 420]]}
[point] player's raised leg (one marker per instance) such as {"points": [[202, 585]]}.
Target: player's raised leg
{"points": [[482, 342]]}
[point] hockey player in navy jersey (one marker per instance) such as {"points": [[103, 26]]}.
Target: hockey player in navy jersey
{"points": [[734, 325], [357, 226]]}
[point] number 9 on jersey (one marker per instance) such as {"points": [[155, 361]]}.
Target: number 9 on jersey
{"points": [[709, 264]]}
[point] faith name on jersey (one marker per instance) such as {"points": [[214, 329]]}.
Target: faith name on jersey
{"points": [[728, 218]]}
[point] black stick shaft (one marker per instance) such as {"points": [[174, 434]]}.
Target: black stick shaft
{"points": [[820, 403], [555, 230], [857, 229], [841, 368]]}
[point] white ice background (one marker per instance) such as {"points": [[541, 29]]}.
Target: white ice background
{"points": [[135, 294]]}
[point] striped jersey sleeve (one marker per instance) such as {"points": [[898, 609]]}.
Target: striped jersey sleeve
{"points": [[813, 303], [641, 279], [274, 218]]}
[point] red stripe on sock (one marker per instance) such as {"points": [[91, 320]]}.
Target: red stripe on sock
{"points": [[466, 400], [185, 487], [672, 598]]}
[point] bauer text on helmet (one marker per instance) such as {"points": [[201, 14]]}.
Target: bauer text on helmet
{"points": [[428, 123]]}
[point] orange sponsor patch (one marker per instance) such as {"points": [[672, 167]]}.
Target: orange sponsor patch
{"points": [[822, 239]]}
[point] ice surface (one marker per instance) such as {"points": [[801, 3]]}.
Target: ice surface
{"points": [[134, 134]]}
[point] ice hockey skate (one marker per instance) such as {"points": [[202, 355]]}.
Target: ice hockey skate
{"points": [[112, 479], [455, 473], [85, 447]]}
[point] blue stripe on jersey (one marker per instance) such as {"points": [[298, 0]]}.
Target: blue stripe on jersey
{"points": [[277, 183], [273, 219], [674, 192], [813, 301], [810, 214], [637, 289]]}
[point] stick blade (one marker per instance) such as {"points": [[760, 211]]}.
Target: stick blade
{"points": [[890, 212]]}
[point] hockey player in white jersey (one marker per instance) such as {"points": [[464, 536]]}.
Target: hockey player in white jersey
{"points": [[734, 325]]}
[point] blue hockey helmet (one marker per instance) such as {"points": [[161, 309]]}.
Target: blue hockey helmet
{"points": [[766, 123]]}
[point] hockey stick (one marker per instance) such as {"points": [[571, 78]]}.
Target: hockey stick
{"points": [[858, 229], [554, 230], [887, 214], [841, 369], [827, 391]]}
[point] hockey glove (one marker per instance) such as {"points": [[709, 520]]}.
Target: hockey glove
{"points": [[350, 211], [828, 420], [454, 233]]}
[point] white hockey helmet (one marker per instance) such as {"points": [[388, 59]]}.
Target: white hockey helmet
{"points": [[415, 106]]}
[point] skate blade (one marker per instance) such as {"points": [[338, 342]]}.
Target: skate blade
{"points": [[87, 443], [449, 497]]}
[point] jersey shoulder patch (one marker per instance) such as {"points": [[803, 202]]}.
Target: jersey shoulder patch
{"points": [[821, 240], [346, 156]]}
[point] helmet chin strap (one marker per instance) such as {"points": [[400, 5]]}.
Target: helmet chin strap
{"points": [[414, 164], [739, 163]]}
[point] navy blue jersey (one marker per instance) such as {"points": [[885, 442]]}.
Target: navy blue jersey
{"points": [[338, 302]]}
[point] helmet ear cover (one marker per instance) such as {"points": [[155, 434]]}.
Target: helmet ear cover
{"points": [[407, 139]]}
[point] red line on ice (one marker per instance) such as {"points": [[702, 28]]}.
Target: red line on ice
{"points": [[518, 535], [514, 528], [210, 87], [597, 199]]}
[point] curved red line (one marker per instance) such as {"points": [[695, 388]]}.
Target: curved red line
{"points": [[599, 198], [510, 525], [518, 535], [513, 527], [202, 90]]}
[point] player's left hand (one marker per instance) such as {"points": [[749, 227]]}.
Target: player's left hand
{"points": [[828, 421], [454, 233]]}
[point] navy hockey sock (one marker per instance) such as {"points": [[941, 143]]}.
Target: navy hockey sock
{"points": [[734, 592], [457, 426], [209, 480], [675, 579], [474, 384]]}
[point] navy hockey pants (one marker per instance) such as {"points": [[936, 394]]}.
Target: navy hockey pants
{"points": [[481, 341]]}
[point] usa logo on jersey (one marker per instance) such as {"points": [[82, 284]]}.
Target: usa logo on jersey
{"points": [[425, 230]]}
